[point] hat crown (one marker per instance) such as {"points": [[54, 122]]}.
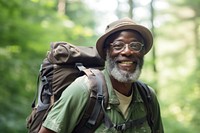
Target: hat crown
{"points": [[119, 23]]}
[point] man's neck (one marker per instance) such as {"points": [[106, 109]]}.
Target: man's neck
{"points": [[123, 88]]}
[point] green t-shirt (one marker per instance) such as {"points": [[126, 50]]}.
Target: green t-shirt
{"points": [[68, 110]]}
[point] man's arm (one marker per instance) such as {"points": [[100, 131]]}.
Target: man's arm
{"points": [[45, 130], [72, 100]]}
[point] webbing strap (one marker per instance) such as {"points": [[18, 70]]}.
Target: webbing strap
{"points": [[107, 121], [43, 90], [42, 87], [145, 92], [124, 126], [97, 107], [36, 92], [93, 114], [95, 76], [129, 124], [80, 66]]}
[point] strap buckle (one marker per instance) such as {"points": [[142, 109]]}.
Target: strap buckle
{"points": [[121, 127], [100, 98], [46, 85]]}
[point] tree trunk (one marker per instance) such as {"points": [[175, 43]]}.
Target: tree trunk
{"points": [[61, 7], [130, 14], [153, 32], [197, 49], [154, 67]]}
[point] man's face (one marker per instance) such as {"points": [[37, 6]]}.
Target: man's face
{"points": [[124, 62]]}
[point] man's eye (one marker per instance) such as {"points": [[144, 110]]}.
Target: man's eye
{"points": [[118, 46], [135, 46]]}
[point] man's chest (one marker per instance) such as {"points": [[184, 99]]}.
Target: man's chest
{"points": [[136, 113]]}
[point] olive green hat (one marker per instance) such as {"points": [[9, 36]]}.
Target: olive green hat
{"points": [[124, 24]]}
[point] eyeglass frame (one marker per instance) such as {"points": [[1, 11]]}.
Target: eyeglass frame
{"points": [[124, 46]]}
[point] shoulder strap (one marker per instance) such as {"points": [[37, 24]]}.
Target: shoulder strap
{"points": [[146, 94], [93, 114], [152, 106]]}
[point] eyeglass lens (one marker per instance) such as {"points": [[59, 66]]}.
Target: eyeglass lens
{"points": [[119, 45]]}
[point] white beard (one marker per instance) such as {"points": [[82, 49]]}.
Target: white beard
{"points": [[121, 75]]}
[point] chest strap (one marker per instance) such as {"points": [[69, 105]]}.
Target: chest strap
{"points": [[123, 126], [129, 124]]}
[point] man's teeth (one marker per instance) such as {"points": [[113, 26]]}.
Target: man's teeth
{"points": [[126, 62]]}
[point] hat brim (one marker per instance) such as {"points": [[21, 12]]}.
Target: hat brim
{"points": [[146, 34]]}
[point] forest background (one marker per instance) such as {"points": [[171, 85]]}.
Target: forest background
{"points": [[172, 67]]}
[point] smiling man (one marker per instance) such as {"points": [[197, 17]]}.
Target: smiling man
{"points": [[123, 47]]}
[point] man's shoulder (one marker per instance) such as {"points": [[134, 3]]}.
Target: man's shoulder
{"points": [[146, 92], [145, 87]]}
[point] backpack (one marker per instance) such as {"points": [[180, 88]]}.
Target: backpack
{"points": [[62, 65]]}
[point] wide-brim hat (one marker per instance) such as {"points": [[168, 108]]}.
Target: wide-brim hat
{"points": [[123, 24]]}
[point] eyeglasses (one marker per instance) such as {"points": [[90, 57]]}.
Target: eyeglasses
{"points": [[120, 46]]}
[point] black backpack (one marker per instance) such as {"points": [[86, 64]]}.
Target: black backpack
{"points": [[62, 65]]}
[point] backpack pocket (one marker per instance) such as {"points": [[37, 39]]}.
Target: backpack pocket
{"points": [[33, 121]]}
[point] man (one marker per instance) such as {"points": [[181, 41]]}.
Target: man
{"points": [[123, 47]]}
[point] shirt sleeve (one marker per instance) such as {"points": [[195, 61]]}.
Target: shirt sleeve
{"points": [[67, 111]]}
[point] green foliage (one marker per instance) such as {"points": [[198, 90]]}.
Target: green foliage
{"points": [[27, 28], [179, 65]]}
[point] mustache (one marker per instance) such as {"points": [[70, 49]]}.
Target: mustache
{"points": [[138, 60]]}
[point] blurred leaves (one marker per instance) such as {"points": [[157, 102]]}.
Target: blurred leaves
{"points": [[28, 26]]}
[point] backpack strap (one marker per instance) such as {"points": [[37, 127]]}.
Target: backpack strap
{"points": [[95, 109], [123, 126], [152, 106], [146, 94], [93, 114]]}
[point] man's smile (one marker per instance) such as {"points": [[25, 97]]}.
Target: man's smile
{"points": [[127, 65]]}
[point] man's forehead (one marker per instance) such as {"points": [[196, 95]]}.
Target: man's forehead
{"points": [[131, 33]]}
